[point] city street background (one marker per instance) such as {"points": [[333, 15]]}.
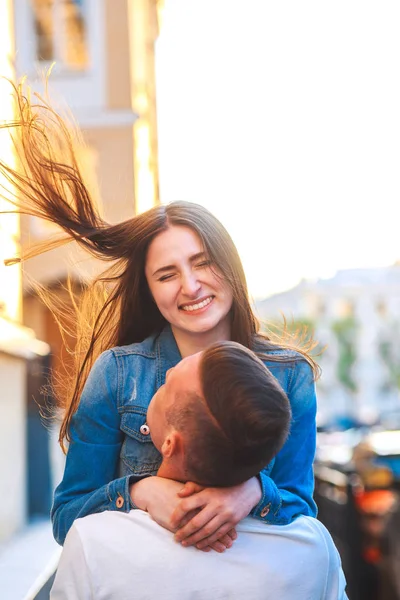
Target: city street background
{"points": [[283, 119]]}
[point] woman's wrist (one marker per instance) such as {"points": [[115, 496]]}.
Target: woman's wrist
{"points": [[255, 490], [137, 492]]}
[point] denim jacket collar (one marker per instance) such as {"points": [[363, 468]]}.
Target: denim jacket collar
{"points": [[168, 354]]}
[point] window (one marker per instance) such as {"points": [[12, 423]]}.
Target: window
{"points": [[60, 31]]}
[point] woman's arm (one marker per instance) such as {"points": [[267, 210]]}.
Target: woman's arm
{"points": [[288, 484], [89, 483]]}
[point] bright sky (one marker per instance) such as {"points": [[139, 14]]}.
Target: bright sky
{"points": [[283, 118]]}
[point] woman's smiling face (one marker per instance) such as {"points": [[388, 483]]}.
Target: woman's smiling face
{"points": [[189, 292]]}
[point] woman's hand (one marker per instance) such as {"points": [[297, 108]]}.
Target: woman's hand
{"points": [[161, 498], [219, 511]]}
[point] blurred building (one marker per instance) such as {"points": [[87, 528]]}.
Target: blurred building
{"points": [[102, 58], [19, 348], [103, 55], [356, 315]]}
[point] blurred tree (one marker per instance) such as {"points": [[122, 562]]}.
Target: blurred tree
{"points": [[389, 351], [345, 331]]}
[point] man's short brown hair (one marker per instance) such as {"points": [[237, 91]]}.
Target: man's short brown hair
{"points": [[239, 424]]}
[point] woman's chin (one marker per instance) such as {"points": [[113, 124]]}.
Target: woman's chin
{"points": [[200, 324]]}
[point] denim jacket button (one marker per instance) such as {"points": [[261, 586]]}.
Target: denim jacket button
{"points": [[265, 510], [145, 429], [119, 502]]}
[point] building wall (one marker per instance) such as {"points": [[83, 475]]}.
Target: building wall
{"points": [[12, 367], [111, 91], [144, 22], [38, 317], [84, 89], [113, 101], [114, 166], [10, 288], [118, 59], [112, 96], [12, 445]]}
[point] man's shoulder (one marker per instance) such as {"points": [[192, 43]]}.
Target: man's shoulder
{"points": [[110, 517], [303, 549], [305, 533], [116, 525], [301, 528]]}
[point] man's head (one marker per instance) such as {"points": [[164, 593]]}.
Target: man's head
{"points": [[220, 417]]}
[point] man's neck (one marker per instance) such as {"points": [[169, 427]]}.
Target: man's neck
{"points": [[170, 470]]}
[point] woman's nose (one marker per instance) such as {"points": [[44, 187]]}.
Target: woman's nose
{"points": [[190, 284]]}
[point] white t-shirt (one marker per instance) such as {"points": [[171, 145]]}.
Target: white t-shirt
{"points": [[127, 556]]}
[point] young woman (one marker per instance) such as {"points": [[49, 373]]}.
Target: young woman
{"points": [[175, 286]]}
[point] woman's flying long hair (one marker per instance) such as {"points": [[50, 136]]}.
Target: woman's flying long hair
{"points": [[116, 308]]}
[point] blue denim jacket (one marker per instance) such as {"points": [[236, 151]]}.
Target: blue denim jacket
{"points": [[107, 451]]}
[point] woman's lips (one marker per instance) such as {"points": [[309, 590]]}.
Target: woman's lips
{"points": [[196, 306]]}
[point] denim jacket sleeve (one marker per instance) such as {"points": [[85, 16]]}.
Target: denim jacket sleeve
{"points": [[288, 484], [90, 483]]}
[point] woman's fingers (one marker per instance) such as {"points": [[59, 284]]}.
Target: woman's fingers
{"points": [[233, 534], [188, 517], [190, 488], [187, 505], [211, 531], [199, 525], [217, 546], [217, 533], [217, 515], [227, 541], [206, 549]]}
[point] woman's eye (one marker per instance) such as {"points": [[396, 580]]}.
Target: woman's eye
{"points": [[204, 263], [166, 277]]}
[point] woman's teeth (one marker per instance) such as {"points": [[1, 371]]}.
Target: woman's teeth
{"points": [[202, 304]]}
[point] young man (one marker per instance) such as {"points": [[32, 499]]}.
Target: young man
{"points": [[220, 417]]}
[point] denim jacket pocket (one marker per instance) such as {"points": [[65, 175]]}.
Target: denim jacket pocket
{"points": [[138, 453]]}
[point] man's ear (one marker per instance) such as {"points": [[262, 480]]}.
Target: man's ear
{"points": [[172, 445]]}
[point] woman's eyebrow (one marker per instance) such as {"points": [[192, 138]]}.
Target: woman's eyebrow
{"points": [[195, 257], [166, 268]]}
